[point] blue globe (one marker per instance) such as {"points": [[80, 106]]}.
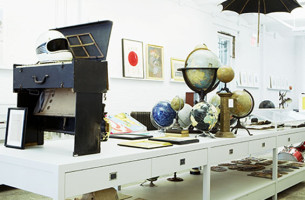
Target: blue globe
{"points": [[163, 114]]}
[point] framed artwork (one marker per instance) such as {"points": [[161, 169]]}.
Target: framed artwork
{"points": [[133, 65], [15, 128], [175, 65], [154, 60]]}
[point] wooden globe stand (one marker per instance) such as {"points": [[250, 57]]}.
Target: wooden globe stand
{"points": [[225, 74], [224, 131]]}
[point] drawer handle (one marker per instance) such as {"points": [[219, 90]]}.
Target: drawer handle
{"points": [[182, 161], [289, 139], [112, 176], [231, 151], [263, 144], [40, 82]]}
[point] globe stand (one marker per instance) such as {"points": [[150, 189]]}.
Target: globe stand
{"points": [[225, 89], [192, 130], [176, 128], [206, 134], [224, 115], [175, 178], [238, 126]]}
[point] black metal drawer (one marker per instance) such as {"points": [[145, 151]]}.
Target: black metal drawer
{"points": [[59, 75]]}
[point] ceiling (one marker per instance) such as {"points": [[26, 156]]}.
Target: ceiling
{"points": [[290, 22]]}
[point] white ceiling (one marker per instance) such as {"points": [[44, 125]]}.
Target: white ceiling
{"points": [[294, 21]]}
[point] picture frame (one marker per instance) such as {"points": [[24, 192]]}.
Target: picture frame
{"points": [[175, 65], [154, 62], [16, 128], [132, 57]]}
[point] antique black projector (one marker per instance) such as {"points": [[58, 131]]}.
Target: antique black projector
{"points": [[67, 96]]}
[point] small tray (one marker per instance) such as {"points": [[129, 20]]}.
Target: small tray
{"points": [[145, 144], [127, 136], [175, 140]]}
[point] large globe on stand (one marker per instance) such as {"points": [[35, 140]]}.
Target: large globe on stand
{"points": [[200, 71], [162, 115]]}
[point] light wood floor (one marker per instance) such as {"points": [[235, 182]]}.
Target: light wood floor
{"points": [[296, 192]]}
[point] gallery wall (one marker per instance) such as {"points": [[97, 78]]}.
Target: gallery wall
{"points": [[169, 23]]}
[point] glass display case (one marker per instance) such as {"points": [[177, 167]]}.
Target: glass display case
{"points": [[277, 118]]}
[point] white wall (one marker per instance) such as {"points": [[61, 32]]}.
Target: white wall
{"points": [[176, 27]]}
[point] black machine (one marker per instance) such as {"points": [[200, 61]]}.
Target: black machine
{"points": [[67, 97]]}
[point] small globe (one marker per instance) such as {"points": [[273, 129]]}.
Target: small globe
{"points": [[177, 103], [266, 104], [225, 74], [204, 116], [242, 104], [184, 116], [215, 101], [163, 114]]}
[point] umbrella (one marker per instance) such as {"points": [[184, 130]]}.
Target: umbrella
{"points": [[260, 6]]}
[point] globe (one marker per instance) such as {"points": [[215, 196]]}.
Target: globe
{"points": [[266, 104], [215, 101], [225, 74], [201, 79], [204, 116], [163, 114], [177, 103], [200, 72], [202, 57], [184, 116], [242, 103]]}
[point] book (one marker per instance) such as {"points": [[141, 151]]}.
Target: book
{"points": [[145, 144], [175, 140], [124, 123]]}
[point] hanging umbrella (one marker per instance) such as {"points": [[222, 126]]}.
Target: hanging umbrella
{"points": [[260, 6]]}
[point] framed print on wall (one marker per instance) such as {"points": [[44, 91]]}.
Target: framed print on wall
{"points": [[132, 51], [154, 60], [15, 128], [175, 65]]}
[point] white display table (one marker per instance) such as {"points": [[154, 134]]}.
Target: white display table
{"points": [[52, 171]]}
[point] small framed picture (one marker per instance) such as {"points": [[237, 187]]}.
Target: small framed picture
{"points": [[175, 65], [133, 64], [154, 60], [15, 128]]}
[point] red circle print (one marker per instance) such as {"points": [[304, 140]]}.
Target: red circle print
{"points": [[133, 58]]}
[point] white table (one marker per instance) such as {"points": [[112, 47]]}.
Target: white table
{"points": [[52, 171]]}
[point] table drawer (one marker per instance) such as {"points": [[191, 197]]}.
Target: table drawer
{"points": [[93, 179], [229, 152], [257, 146], [290, 139], [177, 162]]}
